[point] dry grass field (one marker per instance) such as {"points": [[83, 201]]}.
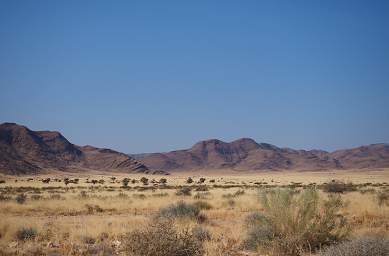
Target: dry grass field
{"points": [[211, 214]]}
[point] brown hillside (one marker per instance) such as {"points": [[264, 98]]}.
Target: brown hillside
{"points": [[23, 151]]}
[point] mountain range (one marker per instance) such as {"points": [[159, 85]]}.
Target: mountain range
{"points": [[246, 154], [23, 151]]}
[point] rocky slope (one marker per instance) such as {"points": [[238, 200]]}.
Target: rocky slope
{"points": [[23, 151], [246, 154]]}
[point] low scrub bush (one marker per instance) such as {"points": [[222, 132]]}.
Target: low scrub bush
{"points": [[292, 224], [185, 210], [26, 233], [201, 234], [235, 194], [383, 198], [338, 187], [125, 182], [144, 180], [202, 188], [21, 198], [202, 205], [93, 208], [36, 197], [180, 210], [4, 197], [204, 195], [184, 191], [162, 238], [160, 195], [364, 246]]}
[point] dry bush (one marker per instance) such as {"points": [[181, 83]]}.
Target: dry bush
{"points": [[162, 238], [235, 194], [383, 198], [202, 188], [180, 210], [26, 233], [202, 234], [364, 246], [224, 246], [202, 205], [338, 187], [21, 198], [203, 195], [184, 191], [292, 224]]}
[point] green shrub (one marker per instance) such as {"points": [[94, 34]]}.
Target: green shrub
{"points": [[26, 233], [364, 246], [292, 224], [162, 238]]}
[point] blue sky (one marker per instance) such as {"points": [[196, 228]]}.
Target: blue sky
{"points": [[146, 76]]}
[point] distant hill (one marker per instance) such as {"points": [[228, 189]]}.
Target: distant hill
{"points": [[23, 151], [246, 154]]}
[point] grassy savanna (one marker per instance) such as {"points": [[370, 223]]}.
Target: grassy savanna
{"points": [[230, 214]]}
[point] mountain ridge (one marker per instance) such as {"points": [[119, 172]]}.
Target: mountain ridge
{"points": [[23, 151], [247, 154]]}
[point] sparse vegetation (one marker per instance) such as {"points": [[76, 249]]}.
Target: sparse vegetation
{"points": [[338, 187], [162, 237], [293, 224], [363, 246], [222, 218]]}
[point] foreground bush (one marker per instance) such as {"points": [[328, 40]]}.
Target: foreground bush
{"points": [[162, 238], [292, 224], [364, 246]]}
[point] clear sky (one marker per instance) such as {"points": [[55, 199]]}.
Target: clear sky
{"points": [[146, 76]]}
